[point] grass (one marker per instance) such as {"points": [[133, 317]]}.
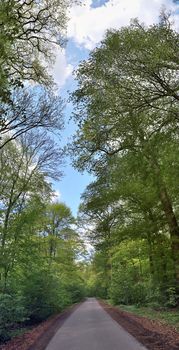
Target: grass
{"points": [[167, 316]]}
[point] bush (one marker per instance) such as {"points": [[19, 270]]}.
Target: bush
{"points": [[42, 293], [47, 293], [76, 291], [12, 312], [124, 290], [172, 297]]}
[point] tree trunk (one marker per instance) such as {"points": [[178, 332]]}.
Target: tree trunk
{"points": [[150, 254], [170, 218]]}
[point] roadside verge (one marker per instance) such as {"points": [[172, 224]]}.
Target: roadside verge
{"points": [[151, 333], [39, 337]]}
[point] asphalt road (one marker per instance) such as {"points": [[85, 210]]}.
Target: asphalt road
{"points": [[91, 328]]}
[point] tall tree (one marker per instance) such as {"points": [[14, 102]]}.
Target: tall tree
{"points": [[28, 163], [58, 228], [127, 101]]}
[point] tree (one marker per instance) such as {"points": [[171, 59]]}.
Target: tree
{"points": [[28, 163], [52, 280], [58, 228], [30, 31], [30, 109], [127, 102], [39, 245]]}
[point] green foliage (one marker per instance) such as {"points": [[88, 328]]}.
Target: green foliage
{"points": [[39, 244], [12, 312], [172, 297], [127, 111], [155, 313], [29, 36], [44, 294], [129, 273], [75, 289], [126, 108]]}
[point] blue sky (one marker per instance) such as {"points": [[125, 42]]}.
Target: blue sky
{"points": [[98, 3], [86, 27]]}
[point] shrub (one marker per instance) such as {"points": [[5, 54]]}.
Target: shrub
{"points": [[12, 312], [42, 295]]}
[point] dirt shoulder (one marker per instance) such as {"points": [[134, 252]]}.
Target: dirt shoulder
{"points": [[38, 337], [153, 334]]}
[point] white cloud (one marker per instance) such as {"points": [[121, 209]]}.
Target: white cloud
{"points": [[61, 70], [88, 25], [56, 196]]}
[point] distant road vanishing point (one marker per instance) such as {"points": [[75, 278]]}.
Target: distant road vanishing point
{"points": [[89, 327]]}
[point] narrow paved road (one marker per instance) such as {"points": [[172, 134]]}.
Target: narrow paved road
{"points": [[91, 328]]}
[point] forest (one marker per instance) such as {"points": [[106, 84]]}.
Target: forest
{"points": [[40, 247], [125, 108]]}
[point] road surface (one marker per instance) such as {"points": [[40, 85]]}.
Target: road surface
{"points": [[91, 328]]}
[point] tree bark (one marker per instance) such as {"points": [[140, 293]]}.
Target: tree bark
{"points": [[150, 255], [170, 218]]}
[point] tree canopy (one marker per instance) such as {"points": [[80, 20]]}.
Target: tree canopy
{"points": [[30, 32], [126, 108], [40, 246]]}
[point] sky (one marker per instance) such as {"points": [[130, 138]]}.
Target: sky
{"points": [[86, 28]]}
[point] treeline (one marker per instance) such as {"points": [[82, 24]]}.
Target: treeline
{"points": [[39, 245], [127, 110]]}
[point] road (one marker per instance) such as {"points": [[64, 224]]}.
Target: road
{"points": [[90, 328]]}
